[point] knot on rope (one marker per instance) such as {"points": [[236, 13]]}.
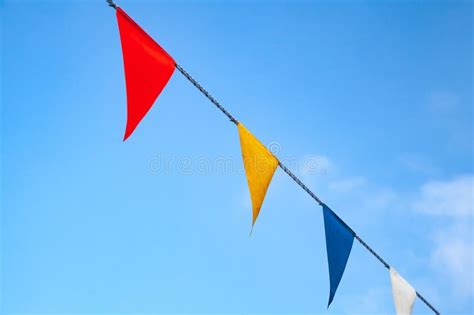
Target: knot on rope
{"points": [[112, 4]]}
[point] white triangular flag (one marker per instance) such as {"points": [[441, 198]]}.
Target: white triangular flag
{"points": [[404, 294]]}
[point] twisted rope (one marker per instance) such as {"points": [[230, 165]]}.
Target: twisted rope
{"points": [[281, 165], [207, 94], [295, 178], [111, 4]]}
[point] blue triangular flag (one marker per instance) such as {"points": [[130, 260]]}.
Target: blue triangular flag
{"points": [[339, 239]]}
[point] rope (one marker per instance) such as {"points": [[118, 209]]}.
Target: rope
{"points": [[207, 94], [300, 183], [111, 4], [427, 303], [294, 177], [281, 165]]}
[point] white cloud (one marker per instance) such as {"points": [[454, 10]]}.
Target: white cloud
{"points": [[347, 184], [452, 114], [449, 198], [368, 196], [316, 165], [382, 198], [418, 164], [448, 203], [452, 256], [366, 303]]}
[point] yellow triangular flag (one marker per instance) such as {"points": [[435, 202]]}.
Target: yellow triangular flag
{"points": [[259, 164]]}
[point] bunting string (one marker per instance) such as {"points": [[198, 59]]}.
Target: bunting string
{"points": [[207, 94], [427, 303], [111, 4], [332, 221], [292, 175]]}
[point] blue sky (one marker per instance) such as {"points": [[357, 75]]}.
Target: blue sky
{"points": [[369, 102]]}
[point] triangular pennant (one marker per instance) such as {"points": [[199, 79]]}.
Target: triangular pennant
{"points": [[259, 164], [339, 239], [147, 69], [404, 294]]}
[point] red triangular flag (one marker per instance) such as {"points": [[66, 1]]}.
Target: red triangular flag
{"points": [[148, 67]]}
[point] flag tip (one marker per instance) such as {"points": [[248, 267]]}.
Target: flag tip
{"points": [[127, 133], [330, 301], [125, 136]]}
